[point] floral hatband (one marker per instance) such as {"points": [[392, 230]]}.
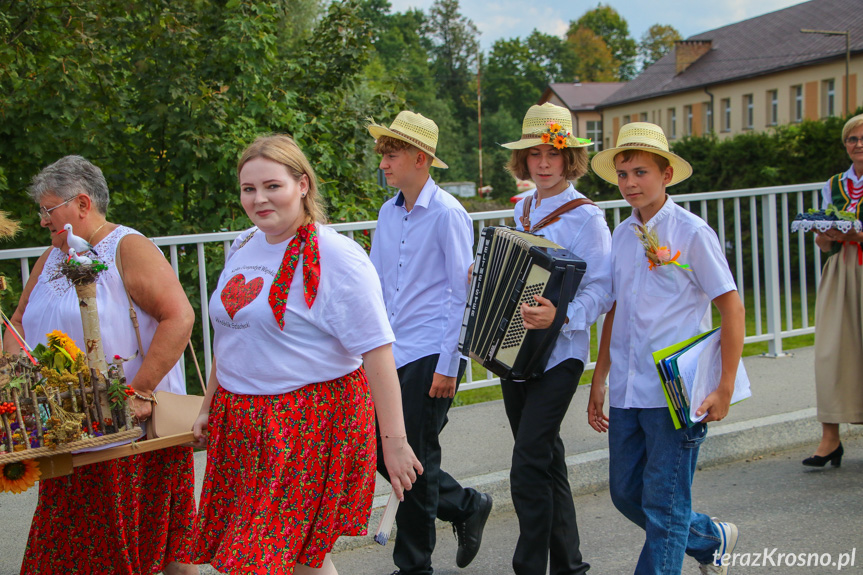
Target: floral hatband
{"points": [[560, 138]]}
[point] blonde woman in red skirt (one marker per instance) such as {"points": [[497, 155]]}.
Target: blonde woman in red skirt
{"points": [[302, 361]]}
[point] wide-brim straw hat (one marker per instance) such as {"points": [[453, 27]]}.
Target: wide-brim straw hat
{"points": [[547, 124], [645, 137], [414, 129]]}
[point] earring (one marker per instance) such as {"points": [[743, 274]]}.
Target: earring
{"points": [[303, 196]]}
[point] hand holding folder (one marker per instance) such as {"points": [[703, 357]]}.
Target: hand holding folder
{"points": [[689, 371]]}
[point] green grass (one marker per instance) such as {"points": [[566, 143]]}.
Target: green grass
{"points": [[493, 392]]}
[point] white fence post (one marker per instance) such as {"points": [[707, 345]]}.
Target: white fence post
{"points": [[771, 274]]}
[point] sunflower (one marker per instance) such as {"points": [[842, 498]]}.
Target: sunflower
{"points": [[19, 476], [555, 127], [63, 341], [546, 138], [560, 142]]}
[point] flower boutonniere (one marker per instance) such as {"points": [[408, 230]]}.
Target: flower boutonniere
{"points": [[657, 255]]}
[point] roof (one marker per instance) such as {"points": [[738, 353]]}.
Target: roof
{"points": [[580, 96], [754, 47]]}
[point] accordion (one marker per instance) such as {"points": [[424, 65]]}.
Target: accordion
{"points": [[510, 268]]}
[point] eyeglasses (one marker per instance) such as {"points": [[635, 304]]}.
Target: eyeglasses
{"points": [[45, 213], [853, 141]]}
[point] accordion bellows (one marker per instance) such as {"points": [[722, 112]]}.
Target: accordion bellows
{"points": [[510, 268]]}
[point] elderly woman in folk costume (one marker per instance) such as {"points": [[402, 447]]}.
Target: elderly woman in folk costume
{"points": [[552, 157], [132, 515], [288, 417], [838, 309]]}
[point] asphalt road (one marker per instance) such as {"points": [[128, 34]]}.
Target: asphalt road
{"points": [[778, 505]]}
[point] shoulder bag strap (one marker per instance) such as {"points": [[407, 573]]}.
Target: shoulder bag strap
{"points": [[555, 215], [525, 213], [133, 315]]}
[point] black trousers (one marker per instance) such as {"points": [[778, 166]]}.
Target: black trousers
{"points": [[541, 495], [436, 493]]}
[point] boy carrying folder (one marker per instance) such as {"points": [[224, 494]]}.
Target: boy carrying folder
{"points": [[667, 267]]}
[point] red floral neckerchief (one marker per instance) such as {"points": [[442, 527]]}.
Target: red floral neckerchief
{"points": [[307, 235]]}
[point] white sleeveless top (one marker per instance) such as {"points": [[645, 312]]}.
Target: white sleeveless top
{"points": [[53, 305]]}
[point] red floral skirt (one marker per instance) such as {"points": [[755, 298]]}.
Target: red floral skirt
{"points": [[128, 516], [286, 476]]}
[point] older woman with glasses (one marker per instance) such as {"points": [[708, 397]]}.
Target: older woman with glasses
{"points": [[133, 515], [839, 309]]}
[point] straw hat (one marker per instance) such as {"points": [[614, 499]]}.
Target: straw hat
{"points": [[547, 124], [647, 138], [414, 129]]}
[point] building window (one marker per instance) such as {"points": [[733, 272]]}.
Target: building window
{"points": [[672, 123], [643, 117], [748, 112], [626, 120], [594, 132], [708, 116], [726, 114], [797, 103], [828, 91], [687, 115], [772, 107]]}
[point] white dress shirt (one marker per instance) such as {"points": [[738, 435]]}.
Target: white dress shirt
{"points": [[422, 257], [584, 233], [660, 307]]}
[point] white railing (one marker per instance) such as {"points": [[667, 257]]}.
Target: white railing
{"points": [[771, 211]]}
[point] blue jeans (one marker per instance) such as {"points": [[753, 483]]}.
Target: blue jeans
{"points": [[651, 466]]}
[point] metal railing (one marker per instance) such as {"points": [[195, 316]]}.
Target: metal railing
{"points": [[768, 282]]}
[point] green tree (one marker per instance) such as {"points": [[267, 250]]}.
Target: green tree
{"points": [[610, 26], [595, 63], [656, 42], [518, 71], [455, 47]]}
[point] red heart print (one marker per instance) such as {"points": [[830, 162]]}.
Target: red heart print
{"points": [[237, 294]]}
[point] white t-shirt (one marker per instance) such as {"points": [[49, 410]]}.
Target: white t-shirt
{"points": [[660, 307], [348, 318]]}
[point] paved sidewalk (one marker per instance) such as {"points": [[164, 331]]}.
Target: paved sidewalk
{"points": [[477, 445]]}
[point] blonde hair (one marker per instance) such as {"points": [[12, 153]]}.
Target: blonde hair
{"points": [[284, 150], [575, 162], [850, 125]]}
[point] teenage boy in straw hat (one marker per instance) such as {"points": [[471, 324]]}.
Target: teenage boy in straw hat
{"points": [[548, 154], [667, 266], [422, 249]]}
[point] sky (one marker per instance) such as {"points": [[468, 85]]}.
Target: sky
{"points": [[506, 19]]}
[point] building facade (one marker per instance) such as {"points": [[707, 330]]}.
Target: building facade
{"points": [[749, 76]]}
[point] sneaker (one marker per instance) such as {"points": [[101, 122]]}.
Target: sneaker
{"points": [[728, 534], [469, 532]]}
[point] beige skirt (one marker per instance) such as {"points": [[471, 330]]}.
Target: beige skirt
{"points": [[839, 339]]}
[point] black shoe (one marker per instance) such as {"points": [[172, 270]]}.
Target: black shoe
{"points": [[469, 532], [834, 458]]}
